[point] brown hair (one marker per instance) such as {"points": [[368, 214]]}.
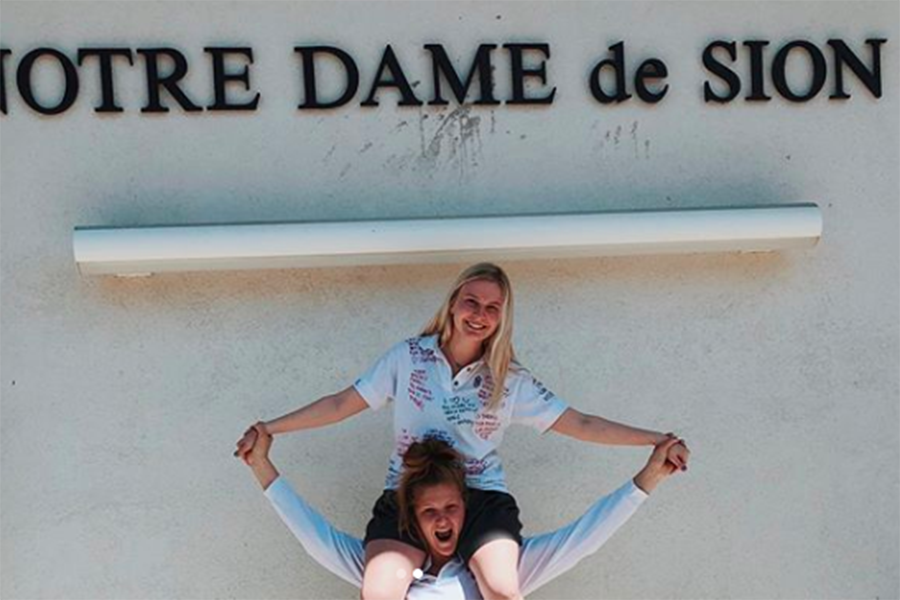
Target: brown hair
{"points": [[498, 349], [429, 462]]}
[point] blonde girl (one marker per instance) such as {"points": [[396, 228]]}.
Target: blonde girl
{"points": [[458, 381]]}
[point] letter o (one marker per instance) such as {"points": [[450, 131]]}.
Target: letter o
{"points": [[23, 80], [818, 77]]}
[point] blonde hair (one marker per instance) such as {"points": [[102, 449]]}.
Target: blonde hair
{"points": [[498, 349], [429, 462]]}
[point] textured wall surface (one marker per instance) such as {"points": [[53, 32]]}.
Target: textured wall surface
{"points": [[122, 398]]}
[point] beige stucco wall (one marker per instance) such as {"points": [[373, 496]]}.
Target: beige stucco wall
{"points": [[122, 398]]}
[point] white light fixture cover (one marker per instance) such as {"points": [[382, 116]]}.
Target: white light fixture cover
{"points": [[143, 250]]}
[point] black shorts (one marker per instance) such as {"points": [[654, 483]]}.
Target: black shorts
{"points": [[489, 516]]}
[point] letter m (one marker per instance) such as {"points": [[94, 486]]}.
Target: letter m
{"points": [[482, 64]]}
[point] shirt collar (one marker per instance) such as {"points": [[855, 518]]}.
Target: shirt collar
{"points": [[432, 342]]}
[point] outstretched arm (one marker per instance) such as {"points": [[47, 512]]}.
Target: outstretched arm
{"points": [[340, 553], [324, 411], [545, 557], [591, 428]]}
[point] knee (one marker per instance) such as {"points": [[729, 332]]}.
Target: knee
{"points": [[383, 586], [382, 592], [389, 569]]}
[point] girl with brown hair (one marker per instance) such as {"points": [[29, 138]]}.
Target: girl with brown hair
{"points": [[458, 381], [432, 495]]}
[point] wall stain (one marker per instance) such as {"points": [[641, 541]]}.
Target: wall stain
{"points": [[610, 142], [634, 139], [456, 143], [422, 117], [448, 142]]}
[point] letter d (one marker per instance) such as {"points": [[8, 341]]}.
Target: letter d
{"points": [[309, 76]]}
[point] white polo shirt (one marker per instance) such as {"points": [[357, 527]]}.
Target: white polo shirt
{"points": [[429, 401], [541, 558]]}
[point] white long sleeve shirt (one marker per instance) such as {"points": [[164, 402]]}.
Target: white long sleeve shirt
{"points": [[541, 559]]}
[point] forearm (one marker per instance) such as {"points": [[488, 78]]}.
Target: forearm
{"points": [[324, 411], [265, 472], [603, 431]]}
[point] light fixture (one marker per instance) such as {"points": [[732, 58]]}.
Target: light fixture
{"points": [[129, 251]]}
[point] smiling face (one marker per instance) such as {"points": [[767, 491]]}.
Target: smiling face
{"points": [[477, 310], [440, 511]]}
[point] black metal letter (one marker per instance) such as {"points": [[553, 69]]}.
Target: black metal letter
{"points": [[617, 63], [23, 80], [3, 54], [652, 68], [757, 79], [519, 73], [818, 75], [482, 63], [397, 80], [721, 71], [170, 81], [870, 78], [220, 78], [310, 100], [104, 56]]}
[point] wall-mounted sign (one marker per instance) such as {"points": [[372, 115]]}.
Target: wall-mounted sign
{"points": [[613, 79]]}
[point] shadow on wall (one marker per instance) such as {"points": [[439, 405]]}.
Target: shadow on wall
{"points": [[238, 203], [414, 285]]}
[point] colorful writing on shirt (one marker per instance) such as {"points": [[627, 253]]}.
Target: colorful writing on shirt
{"points": [[418, 354], [486, 424], [545, 394], [403, 441], [487, 388], [475, 466], [459, 410], [427, 397], [419, 393]]}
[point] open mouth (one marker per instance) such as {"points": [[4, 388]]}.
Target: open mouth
{"points": [[443, 536]]}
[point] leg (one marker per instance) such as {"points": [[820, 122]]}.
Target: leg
{"points": [[496, 568], [389, 569]]}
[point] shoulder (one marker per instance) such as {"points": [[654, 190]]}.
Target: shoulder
{"points": [[522, 382], [518, 374]]}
